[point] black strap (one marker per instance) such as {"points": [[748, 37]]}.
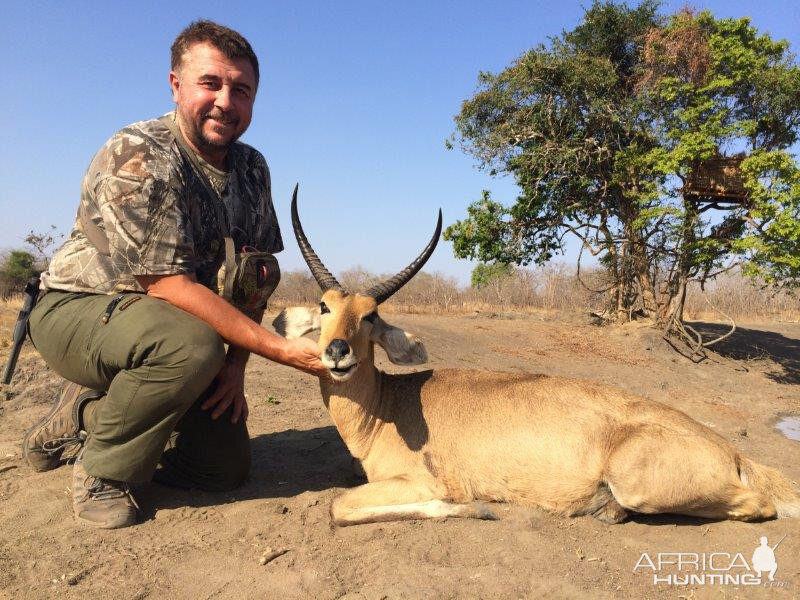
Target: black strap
{"points": [[216, 201]]}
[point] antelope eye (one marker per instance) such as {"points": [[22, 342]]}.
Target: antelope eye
{"points": [[323, 308], [371, 317]]}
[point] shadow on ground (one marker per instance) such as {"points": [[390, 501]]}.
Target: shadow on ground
{"points": [[753, 344], [285, 464], [671, 520]]}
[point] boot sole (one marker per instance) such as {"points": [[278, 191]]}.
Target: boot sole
{"points": [[114, 524]]}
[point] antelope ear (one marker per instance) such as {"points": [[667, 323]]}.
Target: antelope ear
{"points": [[296, 321], [402, 348]]}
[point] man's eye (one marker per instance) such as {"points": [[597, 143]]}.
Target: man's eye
{"points": [[323, 308], [371, 317]]}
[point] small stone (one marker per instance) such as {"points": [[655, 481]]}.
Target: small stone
{"points": [[741, 432]]}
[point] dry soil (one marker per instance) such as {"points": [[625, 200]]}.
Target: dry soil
{"points": [[203, 545]]}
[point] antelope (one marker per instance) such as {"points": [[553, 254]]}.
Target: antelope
{"points": [[441, 443]]}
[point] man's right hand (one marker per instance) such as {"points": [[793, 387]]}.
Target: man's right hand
{"points": [[303, 353]]}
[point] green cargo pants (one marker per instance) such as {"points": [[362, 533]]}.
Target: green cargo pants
{"points": [[157, 364]]}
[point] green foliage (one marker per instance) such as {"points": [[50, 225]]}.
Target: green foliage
{"points": [[603, 128], [484, 273], [555, 120], [16, 268]]}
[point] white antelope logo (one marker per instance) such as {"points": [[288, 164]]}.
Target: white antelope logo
{"points": [[433, 443]]}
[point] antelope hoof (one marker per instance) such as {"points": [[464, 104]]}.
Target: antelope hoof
{"points": [[610, 513], [481, 511]]}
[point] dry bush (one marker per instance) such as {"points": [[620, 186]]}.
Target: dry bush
{"points": [[553, 287], [358, 278], [428, 292], [740, 298], [295, 288]]}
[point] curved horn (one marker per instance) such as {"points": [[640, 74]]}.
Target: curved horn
{"points": [[324, 278], [382, 291]]}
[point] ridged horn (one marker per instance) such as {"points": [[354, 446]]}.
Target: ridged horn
{"points": [[382, 291], [324, 278]]}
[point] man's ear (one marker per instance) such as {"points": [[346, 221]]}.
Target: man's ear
{"points": [[402, 348], [296, 321], [174, 84]]}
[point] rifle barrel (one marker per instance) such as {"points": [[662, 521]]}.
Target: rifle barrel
{"points": [[779, 542], [11, 364], [21, 327]]}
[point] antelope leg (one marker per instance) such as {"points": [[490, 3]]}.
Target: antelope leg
{"points": [[398, 499]]}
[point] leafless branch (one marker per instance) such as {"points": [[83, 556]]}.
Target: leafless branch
{"points": [[725, 335]]}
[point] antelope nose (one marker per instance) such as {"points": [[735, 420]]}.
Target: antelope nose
{"points": [[337, 350]]}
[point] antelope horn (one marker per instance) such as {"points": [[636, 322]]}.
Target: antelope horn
{"points": [[324, 278], [382, 291]]}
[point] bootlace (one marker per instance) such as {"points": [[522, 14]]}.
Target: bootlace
{"points": [[50, 447], [102, 489]]}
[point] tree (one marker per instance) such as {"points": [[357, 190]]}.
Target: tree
{"points": [[603, 129], [41, 242], [15, 271], [483, 273]]}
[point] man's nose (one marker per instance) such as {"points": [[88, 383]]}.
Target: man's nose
{"points": [[223, 99]]}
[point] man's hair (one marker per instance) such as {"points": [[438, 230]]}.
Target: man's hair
{"points": [[231, 43]]}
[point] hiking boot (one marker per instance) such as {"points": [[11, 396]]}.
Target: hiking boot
{"points": [[62, 428], [102, 503]]}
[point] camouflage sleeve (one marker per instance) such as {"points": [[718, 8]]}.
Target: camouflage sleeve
{"points": [[147, 229]]}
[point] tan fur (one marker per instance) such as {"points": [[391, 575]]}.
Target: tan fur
{"points": [[570, 447]]}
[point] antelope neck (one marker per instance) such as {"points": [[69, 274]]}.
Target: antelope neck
{"points": [[356, 406]]}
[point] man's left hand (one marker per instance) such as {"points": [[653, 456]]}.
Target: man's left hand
{"points": [[230, 390]]}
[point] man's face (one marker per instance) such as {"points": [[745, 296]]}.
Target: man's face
{"points": [[214, 97]]}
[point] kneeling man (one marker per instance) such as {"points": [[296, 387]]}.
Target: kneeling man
{"points": [[130, 312]]}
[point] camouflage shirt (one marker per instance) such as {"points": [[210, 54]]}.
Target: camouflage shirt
{"points": [[150, 204]]}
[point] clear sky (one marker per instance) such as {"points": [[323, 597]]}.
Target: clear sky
{"points": [[356, 100]]}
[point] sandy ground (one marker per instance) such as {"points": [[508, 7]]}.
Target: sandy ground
{"points": [[203, 545]]}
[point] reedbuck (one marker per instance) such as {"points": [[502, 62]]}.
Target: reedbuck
{"points": [[433, 443]]}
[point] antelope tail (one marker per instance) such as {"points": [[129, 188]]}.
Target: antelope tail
{"points": [[772, 484]]}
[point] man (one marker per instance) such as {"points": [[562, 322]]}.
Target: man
{"points": [[764, 558], [129, 311]]}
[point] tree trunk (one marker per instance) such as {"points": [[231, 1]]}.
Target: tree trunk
{"points": [[671, 312], [641, 266]]}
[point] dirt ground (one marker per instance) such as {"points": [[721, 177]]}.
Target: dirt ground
{"points": [[203, 545]]}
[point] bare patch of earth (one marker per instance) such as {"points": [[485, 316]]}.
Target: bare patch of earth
{"points": [[203, 545]]}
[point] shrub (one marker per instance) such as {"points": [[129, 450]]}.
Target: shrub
{"points": [[16, 268]]}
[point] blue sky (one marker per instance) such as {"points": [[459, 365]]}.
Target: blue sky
{"points": [[355, 103]]}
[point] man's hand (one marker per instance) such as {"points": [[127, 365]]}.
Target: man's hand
{"points": [[230, 390], [303, 353]]}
